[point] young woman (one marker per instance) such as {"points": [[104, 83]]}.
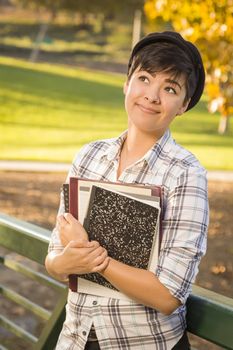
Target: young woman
{"points": [[165, 79]]}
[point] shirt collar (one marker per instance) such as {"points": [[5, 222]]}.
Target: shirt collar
{"points": [[113, 151], [158, 152], [155, 154]]}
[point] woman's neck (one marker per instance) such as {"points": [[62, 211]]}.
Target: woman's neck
{"points": [[136, 145]]}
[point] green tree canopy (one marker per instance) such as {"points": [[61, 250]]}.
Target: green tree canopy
{"points": [[84, 6], [209, 24]]}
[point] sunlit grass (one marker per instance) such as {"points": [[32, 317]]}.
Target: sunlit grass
{"points": [[49, 44], [48, 112]]}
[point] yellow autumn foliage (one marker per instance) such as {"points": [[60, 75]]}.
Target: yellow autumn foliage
{"points": [[208, 24]]}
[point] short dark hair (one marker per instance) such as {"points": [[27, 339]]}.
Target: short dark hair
{"points": [[166, 57]]}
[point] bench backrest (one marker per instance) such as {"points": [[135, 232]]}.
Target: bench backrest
{"points": [[209, 315], [31, 241]]}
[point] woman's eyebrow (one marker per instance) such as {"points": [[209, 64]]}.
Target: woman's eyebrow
{"points": [[172, 81]]}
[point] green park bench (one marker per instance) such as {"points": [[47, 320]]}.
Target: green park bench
{"points": [[209, 315]]}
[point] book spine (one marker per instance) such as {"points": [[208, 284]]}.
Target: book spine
{"points": [[73, 283], [73, 209], [65, 188], [158, 191], [73, 197]]}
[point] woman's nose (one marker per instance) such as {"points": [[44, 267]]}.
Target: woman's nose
{"points": [[152, 96]]}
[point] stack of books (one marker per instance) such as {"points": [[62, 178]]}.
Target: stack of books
{"points": [[123, 218]]}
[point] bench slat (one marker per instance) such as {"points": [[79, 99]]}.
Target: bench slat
{"points": [[210, 316], [35, 275], [20, 237], [26, 303], [3, 347], [14, 328]]}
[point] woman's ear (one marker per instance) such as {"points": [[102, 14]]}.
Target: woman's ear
{"points": [[183, 108]]}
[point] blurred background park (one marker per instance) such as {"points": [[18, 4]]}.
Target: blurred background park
{"points": [[62, 69], [63, 64]]}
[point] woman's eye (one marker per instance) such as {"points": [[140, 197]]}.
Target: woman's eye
{"points": [[143, 78], [171, 90]]}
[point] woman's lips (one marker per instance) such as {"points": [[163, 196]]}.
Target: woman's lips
{"points": [[147, 109]]}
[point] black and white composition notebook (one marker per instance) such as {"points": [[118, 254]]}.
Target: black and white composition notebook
{"points": [[124, 225]]}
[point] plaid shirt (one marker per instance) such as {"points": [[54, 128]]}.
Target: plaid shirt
{"points": [[125, 324]]}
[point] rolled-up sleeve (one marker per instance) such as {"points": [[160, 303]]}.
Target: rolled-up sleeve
{"points": [[185, 223]]}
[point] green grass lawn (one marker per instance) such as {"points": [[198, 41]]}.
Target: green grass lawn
{"points": [[48, 112]]}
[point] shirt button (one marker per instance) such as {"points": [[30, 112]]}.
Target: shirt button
{"points": [[94, 302], [84, 333]]}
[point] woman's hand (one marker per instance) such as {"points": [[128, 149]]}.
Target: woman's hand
{"points": [[70, 229], [80, 257]]}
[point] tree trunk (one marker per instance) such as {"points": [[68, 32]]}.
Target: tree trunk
{"points": [[223, 124], [136, 27], [40, 38]]}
